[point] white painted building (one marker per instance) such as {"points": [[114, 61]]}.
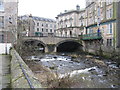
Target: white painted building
{"points": [[69, 23]]}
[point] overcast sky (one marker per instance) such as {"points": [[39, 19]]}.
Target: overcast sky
{"points": [[47, 8]]}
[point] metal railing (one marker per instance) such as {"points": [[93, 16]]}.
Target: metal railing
{"points": [[92, 36], [25, 74], [47, 37]]}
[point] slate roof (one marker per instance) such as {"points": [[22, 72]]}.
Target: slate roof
{"points": [[39, 18]]}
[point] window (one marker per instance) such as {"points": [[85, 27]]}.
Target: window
{"points": [[42, 30], [37, 24], [50, 30], [81, 23], [109, 28], [50, 25], [2, 22], [1, 5], [109, 42], [110, 13], [1, 38], [37, 29], [42, 25], [46, 30], [46, 25]]}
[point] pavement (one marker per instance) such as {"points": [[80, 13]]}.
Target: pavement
{"points": [[4, 71]]}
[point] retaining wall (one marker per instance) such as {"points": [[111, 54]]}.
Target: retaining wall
{"points": [[18, 79], [104, 51]]}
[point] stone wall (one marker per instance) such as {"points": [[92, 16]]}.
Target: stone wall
{"points": [[118, 25], [108, 52], [18, 79]]}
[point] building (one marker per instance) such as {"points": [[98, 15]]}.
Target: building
{"points": [[70, 22], [97, 24], [102, 26], [26, 26], [38, 26], [8, 20], [118, 27]]}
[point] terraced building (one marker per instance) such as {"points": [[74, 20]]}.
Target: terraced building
{"points": [[102, 29], [38, 26]]}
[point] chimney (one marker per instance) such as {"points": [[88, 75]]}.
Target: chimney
{"points": [[78, 7], [30, 15], [65, 11]]}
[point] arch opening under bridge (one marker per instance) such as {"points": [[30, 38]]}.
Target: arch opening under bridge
{"points": [[33, 45], [68, 46]]}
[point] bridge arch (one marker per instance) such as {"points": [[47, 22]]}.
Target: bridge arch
{"points": [[53, 44], [34, 45], [68, 46]]}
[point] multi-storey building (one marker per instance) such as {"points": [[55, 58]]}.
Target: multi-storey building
{"points": [[98, 24], [44, 26], [69, 23], [37, 26], [8, 20], [101, 25], [26, 25]]}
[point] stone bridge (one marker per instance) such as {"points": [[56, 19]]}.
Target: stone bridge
{"points": [[51, 44]]}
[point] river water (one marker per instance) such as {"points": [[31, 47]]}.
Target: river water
{"points": [[87, 72]]}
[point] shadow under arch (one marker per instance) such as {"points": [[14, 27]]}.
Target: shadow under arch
{"points": [[68, 46], [33, 46]]}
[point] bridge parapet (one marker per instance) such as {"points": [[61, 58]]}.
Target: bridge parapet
{"points": [[51, 43], [50, 40]]}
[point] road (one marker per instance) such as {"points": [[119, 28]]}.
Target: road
{"points": [[4, 71]]}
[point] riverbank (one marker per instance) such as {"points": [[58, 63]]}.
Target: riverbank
{"points": [[98, 72]]}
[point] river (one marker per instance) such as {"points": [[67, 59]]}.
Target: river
{"points": [[86, 71]]}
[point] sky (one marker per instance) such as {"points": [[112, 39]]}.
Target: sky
{"points": [[47, 8]]}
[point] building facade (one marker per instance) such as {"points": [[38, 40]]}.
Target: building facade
{"points": [[101, 28], [37, 26], [70, 22], [8, 20], [98, 25]]}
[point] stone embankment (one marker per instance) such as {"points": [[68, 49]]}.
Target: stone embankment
{"points": [[21, 75]]}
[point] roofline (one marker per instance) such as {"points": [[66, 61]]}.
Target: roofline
{"points": [[76, 11], [33, 17]]}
